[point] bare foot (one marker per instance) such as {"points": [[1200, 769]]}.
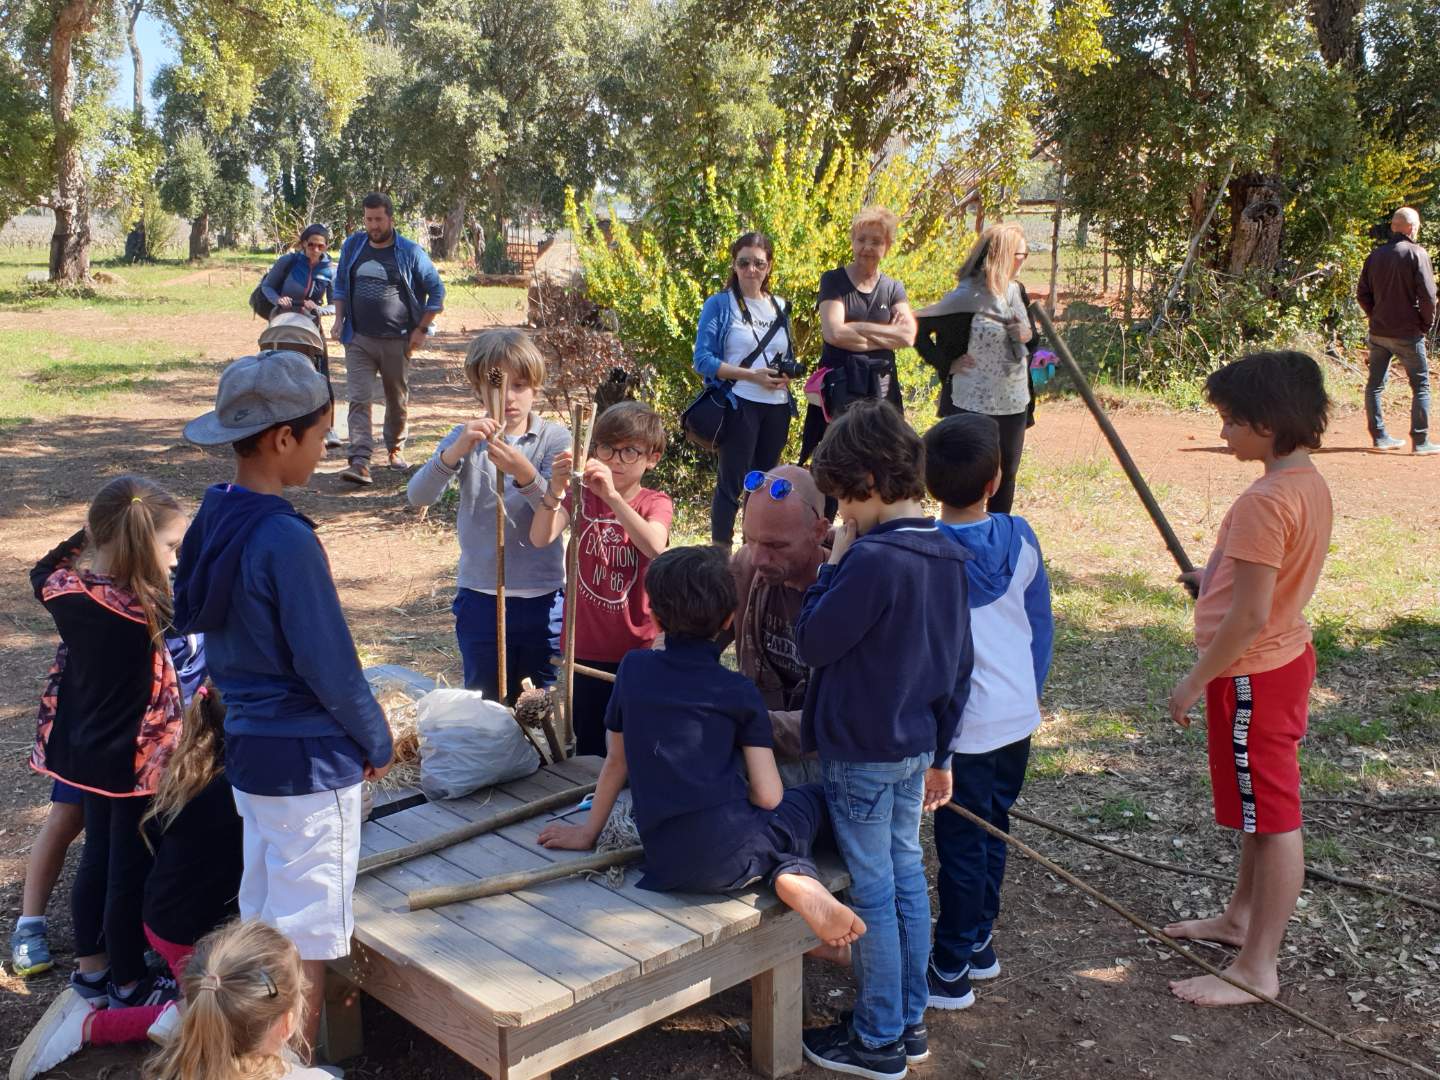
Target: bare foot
{"points": [[1208, 990], [835, 954], [832, 922], [1219, 929]]}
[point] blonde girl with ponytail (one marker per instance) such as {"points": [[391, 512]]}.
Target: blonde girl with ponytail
{"points": [[245, 996], [110, 716]]}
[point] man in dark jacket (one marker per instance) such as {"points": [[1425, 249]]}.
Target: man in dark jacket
{"points": [[1397, 291]]}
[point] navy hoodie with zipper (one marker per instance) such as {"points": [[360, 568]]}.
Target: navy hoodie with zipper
{"points": [[887, 632], [253, 578]]}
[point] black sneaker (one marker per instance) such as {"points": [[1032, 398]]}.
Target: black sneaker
{"points": [[915, 1038], [984, 964], [949, 993], [838, 1049], [151, 990]]}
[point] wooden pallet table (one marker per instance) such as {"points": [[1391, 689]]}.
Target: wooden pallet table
{"points": [[521, 984]]}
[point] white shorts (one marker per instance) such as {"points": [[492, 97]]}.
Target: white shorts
{"points": [[301, 856]]}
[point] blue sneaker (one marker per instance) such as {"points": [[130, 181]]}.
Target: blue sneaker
{"points": [[93, 991], [951, 993], [984, 964], [915, 1038], [30, 952], [150, 990], [837, 1049]]}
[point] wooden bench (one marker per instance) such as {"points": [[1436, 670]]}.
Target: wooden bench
{"points": [[521, 984]]}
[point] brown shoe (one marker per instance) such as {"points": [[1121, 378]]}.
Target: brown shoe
{"points": [[397, 461], [358, 473]]}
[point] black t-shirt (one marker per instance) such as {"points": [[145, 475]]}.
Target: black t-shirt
{"points": [[875, 306], [685, 717], [194, 884], [376, 306]]}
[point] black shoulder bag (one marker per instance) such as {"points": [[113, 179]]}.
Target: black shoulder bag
{"points": [[704, 419]]}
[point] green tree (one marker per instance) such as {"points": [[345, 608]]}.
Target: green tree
{"points": [[26, 134]]}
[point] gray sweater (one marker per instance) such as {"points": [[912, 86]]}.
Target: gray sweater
{"points": [[526, 566]]}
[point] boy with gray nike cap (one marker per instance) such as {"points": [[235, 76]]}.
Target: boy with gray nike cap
{"points": [[302, 730]]}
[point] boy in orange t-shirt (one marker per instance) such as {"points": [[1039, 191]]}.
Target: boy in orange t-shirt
{"points": [[1256, 662]]}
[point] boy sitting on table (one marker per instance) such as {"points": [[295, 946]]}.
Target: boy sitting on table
{"points": [[708, 801]]}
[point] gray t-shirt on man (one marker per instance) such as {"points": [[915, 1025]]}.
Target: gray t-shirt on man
{"points": [[376, 307]]}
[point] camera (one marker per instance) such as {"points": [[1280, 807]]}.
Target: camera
{"points": [[786, 366]]}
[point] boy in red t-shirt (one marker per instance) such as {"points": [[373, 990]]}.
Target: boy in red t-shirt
{"points": [[1256, 662], [623, 527]]}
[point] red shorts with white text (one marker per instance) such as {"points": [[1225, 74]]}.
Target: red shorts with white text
{"points": [[1254, 724]]}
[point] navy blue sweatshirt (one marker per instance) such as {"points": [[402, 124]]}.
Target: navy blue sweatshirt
{"points": [[887, 632], [299, 715]]}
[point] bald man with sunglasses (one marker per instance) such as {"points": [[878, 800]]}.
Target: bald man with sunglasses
{"points": [[785, 542]]}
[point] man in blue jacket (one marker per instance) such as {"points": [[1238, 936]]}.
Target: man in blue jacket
{"points": [[387, 293]]}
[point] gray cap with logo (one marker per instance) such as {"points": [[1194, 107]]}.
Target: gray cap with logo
{"points": [[257, 392]]}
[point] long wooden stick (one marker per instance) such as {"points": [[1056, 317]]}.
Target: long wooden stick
{"points": [[1067, 361], [1175, 868], [498, 412], [440, 895], [580, 426], [584, 669], [1193, 249], [1171, 944], [450, 837]]}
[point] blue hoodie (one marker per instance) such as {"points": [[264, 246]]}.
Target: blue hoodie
{"points": [[887, 632], [254, 579], [1013, 630]]}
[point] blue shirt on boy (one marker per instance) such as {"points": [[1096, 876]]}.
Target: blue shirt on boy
{"points": [[1012, 627], [685, 717], [887, 634], [300, 717]]}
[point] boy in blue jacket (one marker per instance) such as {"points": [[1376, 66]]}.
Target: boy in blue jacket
{"points": [[886, 629], [1013, 628], [302, 729]]}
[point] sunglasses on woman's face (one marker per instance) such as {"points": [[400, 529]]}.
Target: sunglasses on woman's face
{"points": [[752, 264], [777, 489], [316, 247], [628, 454]]}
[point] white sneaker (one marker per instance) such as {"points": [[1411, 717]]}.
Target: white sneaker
{"points": [[59, 1034], [165, 1025]]}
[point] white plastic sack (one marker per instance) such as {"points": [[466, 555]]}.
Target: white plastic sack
{"points": [[468, 742]]}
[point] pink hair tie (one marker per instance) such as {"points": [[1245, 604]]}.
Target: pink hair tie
{"points": [[204, 691]]}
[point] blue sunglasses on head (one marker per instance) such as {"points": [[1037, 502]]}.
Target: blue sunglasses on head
{"points": [[778, 487]]}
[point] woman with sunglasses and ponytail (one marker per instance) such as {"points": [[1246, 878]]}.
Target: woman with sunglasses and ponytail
{"points": [[743, 346]]}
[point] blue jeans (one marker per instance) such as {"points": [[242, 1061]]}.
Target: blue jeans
{"points": [[875, 811], [1412, 355], [532, 636], [972, 862]]}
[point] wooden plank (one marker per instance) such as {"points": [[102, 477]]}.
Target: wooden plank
{"points": [[535, 1049], [578, 770], [583, 963], [488, 982], [777, 1000], [537, 785]]}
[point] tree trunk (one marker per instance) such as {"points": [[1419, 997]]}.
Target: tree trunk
{"points": [[452, 229], [1337, 26], [200, 237], [134, 8], [70, 243], [1257, 222]]}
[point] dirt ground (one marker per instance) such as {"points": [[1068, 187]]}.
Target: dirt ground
{"points": [[1082, 993]]}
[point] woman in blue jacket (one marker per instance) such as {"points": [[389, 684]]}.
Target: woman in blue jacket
{"points": [[302, 280], [740, 349]]}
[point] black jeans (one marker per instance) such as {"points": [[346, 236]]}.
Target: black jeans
{"points": [[591, 700], [1012, 445], [109, 890], [755, 437]]}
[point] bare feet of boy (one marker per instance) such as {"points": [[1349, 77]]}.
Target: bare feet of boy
{"points": [[1221, 929], [1208, 990], [833, 923]]}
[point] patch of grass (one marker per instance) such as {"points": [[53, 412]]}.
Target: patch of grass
{"points": [[1321, 775], [1356, 730], [1326, 849], [1126, 812], [1054, 763], [1419, 711], [49, 374]]}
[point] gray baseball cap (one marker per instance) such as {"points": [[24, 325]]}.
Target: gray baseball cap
{"points": [[257, 392]]}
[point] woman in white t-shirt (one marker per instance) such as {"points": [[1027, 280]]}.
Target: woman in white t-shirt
{"points": [[739, 347]]}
